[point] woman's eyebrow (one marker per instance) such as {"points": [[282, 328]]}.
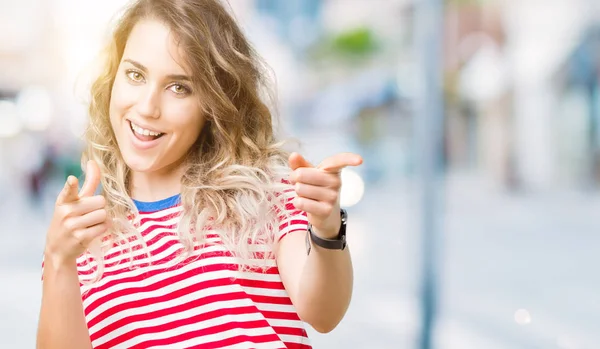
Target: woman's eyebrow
{"points": [[140, 66]]}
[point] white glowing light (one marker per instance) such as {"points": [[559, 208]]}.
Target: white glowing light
{"points": [[522, 317], [35, 108], [353, 188]]}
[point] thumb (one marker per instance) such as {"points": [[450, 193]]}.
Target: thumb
{"points": [[92, 179], [296, 161]]}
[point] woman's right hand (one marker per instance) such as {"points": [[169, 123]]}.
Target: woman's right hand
{"points": [[78, 218]]}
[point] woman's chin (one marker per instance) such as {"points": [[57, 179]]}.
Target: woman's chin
{"points": [[139, 165]]}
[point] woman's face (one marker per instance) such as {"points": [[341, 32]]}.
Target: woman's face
{"points": [[155, 114]]}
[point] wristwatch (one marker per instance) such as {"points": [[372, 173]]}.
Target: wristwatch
{"points": [[339, 243]]}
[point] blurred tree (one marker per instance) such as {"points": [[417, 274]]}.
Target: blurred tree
{"points": [[359, 41], [353, 46]]}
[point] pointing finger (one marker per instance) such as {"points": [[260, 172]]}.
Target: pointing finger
{"points": [[336, 163], [69, 192]]}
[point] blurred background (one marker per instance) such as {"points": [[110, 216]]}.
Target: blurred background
{"points": [[504, 113]]}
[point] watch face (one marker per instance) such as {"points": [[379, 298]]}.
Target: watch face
{"points": [[344, 215], [308, 247]]}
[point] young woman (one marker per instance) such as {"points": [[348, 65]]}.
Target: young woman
{"points": [[206, 233]]}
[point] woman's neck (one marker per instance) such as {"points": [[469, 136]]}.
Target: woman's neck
{"points": [[154, 186]]}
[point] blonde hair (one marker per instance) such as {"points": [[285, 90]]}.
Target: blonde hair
{"points": [[235, 171]]}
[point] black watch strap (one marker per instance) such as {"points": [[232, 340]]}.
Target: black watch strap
{"points": [[331, 244]]}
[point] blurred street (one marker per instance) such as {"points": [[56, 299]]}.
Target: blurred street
{"points": [[519, 146], [497, 258]]}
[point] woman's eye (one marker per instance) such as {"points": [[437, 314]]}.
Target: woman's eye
{"points": [[179, 89], [135, 76]]}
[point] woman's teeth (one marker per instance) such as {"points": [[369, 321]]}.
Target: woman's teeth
{"points": [[143, 132]]}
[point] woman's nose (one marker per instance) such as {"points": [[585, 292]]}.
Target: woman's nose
{"points": [[148, 104]]}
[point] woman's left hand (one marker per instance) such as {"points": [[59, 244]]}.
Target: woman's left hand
{"points": [[318, 190]]}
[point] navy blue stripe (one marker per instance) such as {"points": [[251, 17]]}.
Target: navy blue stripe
{"points": [[144, 206]]}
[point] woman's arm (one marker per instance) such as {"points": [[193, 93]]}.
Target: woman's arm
{"points": [[319, 283], [78, 219], [62, 321]]}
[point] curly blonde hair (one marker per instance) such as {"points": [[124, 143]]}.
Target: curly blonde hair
{"points": [[236, 170]]}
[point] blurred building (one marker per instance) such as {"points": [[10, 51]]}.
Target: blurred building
{"points": [[577, 84]]}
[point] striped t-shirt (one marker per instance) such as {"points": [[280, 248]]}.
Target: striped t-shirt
{"points": [[196, 303]]}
